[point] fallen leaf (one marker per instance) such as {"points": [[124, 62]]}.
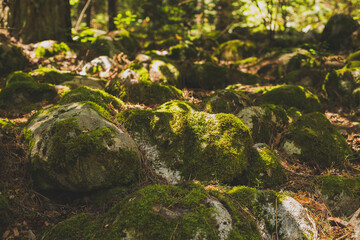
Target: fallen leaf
{"points": [[16, 232], [6, 234]]}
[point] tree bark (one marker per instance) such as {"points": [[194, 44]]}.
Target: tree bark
{"points": [[112, 12], [224, 14], [38, 20]]}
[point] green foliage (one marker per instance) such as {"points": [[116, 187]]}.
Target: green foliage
{"points": [[124, 21], [54, 49]]}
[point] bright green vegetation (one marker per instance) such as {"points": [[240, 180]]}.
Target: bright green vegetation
{"points": [[265, 121], [292, 96], [142, 90], [313, 139], [100, 97], [54, 49], [18, 76], [226, 101], [50, 75], [235, 50], [199, 145], [354, 57], [161, 212], [176, 106]]}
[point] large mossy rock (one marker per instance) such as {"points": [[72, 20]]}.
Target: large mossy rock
{"points": [[226, 101], [189, 144], [235, 50], [184, 51], [127, 42], [22, 94], [264, 122], [340, 193], [11, 58], [313, 139], [134, 85], [100, 97], [75, 147], [292, 96], [281, 214], [306, 77], [165, 72], [338, 30], [164, 212]]}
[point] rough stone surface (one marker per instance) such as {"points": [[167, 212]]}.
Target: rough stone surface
{"points": [[102, 65], [74, 148]]}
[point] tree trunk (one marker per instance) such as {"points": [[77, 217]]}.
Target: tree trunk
{"points": [[224, 14], [112, 13], [34, 21]]}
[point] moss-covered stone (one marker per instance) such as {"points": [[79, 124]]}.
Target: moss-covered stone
{"points": [[26, 96], [338, 86], [306, 77], [314, 140], [50, 75], [18, 76], [235, 50], [338, 30], [226, 101], [292, 96], [177, 106], [342, 194], [164, 212], [74, 148], [100, 97], [265, 169], [135, 86], [191, 145], [126, 41], [50, 48], [264, 121], [185, 51], [104, 46], [11, 58], [165, 72]]}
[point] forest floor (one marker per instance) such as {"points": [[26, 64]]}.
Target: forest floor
{"points": [[33, 212]]}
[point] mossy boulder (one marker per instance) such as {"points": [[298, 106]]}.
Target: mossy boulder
{"points": [[338, 30], [190, 144], [103, 46], [265, 170], [177, 106], [50, 75], [279, 214], [235, 50], [340, 193], [126, 41], [18, 76], [100, 97], [226, 101], [164, 212], [11, 58], [338, 86], [165, 72], [306, 77], [75, 147], [313, 139], [101, 65], [184, 51], [24, 96], [134, 85], [292, 96], [265, 122], [50, 48]]}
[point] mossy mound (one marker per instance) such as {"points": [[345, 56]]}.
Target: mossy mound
{"points": [[338, 86], [164, 212], [185, 51], [74, 148], [280, 214], [11, 58], [126, 41], [26, 96], [338, 30], [313, 139], [264, 121], [226, 101], [197, 145], [18, 76], [104, 46], [292, 96], [306, 77], [50, 75], [165, 72], [177, 106], [135, 86], [235, 50], [342, 194], [265, 169], [100, 97], [50, 48]]}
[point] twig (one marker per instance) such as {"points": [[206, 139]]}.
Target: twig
{"points": [[82, 14]]}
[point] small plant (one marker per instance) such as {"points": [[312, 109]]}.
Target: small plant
{"points": [[124, 21]]}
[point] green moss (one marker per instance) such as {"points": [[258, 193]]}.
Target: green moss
{"points": [[165, 72], [18, 76], [313, 139], [338, 86], [101, 98], [183, 51], [50, 75], [54, 49], [69, 229], [292, 96], [226, 101], [333, 186], [176, 106], [235, 50], [354, 57]]}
